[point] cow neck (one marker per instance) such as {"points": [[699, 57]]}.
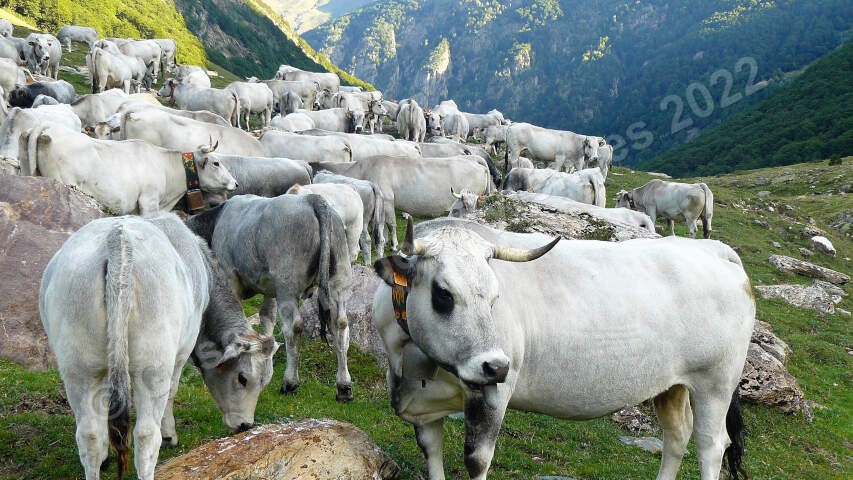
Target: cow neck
{"points": [[194, 199]]}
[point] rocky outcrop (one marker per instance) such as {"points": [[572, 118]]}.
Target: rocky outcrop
{"points": [[359, 313], [309, 449], [37, 215], [821, 296], [765, 380], [634, 420], [799, 267]]}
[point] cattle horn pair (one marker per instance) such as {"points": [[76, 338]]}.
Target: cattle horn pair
{"points": [[456, 195], [210, 147], [411, 246]]}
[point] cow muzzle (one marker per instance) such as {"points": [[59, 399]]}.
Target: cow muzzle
{"points": [[487, 368]]}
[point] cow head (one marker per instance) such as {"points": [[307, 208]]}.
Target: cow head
{"points": [[236, 375], [433, 123], [168, 88], [355, 119], [377, 109], [451, 293], [590, 150], [212, 174], [466, 202], [625, 200]]}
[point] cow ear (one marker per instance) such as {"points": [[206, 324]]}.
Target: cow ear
{"points": [[395, 270], [233, 350], [89, 129]]}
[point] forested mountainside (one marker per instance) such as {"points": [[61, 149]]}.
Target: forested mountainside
{"points": [[114, 18], [647, 74], [248, 38], [303, 15], [809, 118]]}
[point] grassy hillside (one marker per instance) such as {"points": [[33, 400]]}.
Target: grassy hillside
{"points": [[809, 118], [37, 428], [605, 67], [113, 18]]}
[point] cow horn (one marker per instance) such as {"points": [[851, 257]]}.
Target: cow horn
{"points": [[213, 149], [410, 246], [510, 254], [457, 195]]}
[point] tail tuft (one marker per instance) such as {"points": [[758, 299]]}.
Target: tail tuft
{"points": [[735, 428]]}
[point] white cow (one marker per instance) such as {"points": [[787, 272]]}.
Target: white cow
{"points": [[305, 147], [152, 298], [168, 49], [110, 68], [19, 121], [293, 122], [346, 202], [42, 53], [672, 201], [508, 335], [563, 148], [325, 80], [493, 136], [367, 146], [188, 96], [411, 123], [254, 98], [586, 186], [148, 51], [337, 119], [76, 33], [124, 177], [5, 28], [161, 128]]}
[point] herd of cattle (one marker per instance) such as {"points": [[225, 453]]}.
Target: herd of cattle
{"points": [[128, 299]]}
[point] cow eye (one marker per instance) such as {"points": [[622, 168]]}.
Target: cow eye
{"points": [[442, 300], [215, 164], [242, 379]]}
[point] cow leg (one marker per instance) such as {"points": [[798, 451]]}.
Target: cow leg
{"points": [[150, 402], [482, 425], [88, 399], [267, 314], [167, 426], [559, 162], [430, 438], [391, 223], [709, 430], [676, 419], [671, 224], [364, 245], [291, 329], [340, 337]]}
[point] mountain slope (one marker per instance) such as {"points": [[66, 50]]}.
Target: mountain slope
{"points": [[808, 119], [114, 18], [304, 15], [246, 38], [594, 66]]}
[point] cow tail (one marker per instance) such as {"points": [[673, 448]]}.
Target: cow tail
{"points": [[708, 211], [378, 214], [735, 429], [323, 213], [118, 297], [32, 150], [235, 113], [599, 197]]}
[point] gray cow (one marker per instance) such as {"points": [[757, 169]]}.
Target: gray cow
{"points": [[283, 248], [42, 53], [76, 33], [374, 208], [262, 176], [673, 201], [153, 297]]}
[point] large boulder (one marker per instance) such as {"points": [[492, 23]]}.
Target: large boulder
{"points": [[309, 449], [765, 380], [821, 296], [37, 215], [359, 313]]}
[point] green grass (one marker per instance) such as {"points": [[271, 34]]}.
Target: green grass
{"points": [[37, 429]]}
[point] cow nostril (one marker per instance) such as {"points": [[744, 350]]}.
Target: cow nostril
{"points": [[496, 370]]}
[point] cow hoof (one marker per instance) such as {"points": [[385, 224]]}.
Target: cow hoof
{"points": [[168, 442], [288, 388], [344, 394]]}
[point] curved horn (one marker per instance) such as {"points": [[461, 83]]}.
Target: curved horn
{"points": [[510, 254], [457, 195], [410, 246], [213, 149]]}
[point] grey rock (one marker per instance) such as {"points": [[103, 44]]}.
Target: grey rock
{"points": [[37, 215], [634, 420], [359, 313], [806, 252], [841, 311], [649, 444], [764, 193], [777, 244], [820, 296], [761, 223], [800, 267], [766, 381]]}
